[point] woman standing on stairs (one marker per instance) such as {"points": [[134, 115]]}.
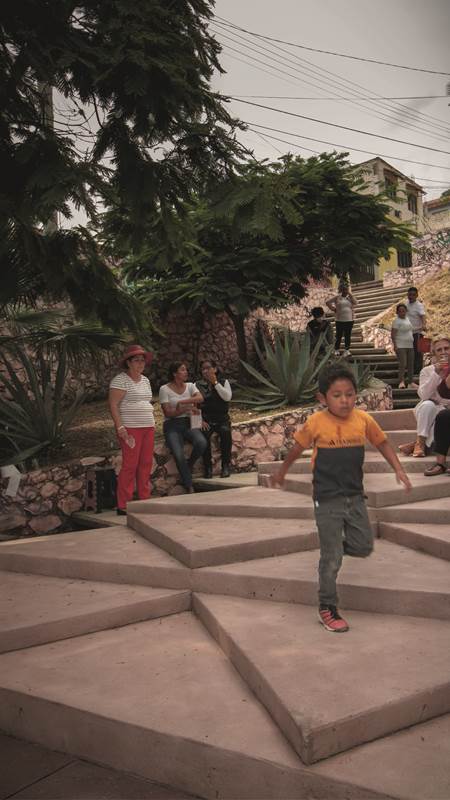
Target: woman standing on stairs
{"points": [[343, 305], [403, 341], [130, 404], [433, 411]]}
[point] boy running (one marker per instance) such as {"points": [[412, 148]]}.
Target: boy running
{"points": [[338, 435]]}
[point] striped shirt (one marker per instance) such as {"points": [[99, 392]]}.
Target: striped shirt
{"points": [[136, 410]]}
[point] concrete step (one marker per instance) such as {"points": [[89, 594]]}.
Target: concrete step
{"points": [[373, 462], [406, 402], [395, 420], [115, 555], [159, 700], [236, 480], [35, 610], [394, 580], [201, 541], [432, 511], [383, 489], [274, 647], [428, 538], [252, 502]]}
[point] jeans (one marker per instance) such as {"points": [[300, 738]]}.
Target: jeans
{"points": [[344, 529], [418, 357], [405, 357], [223, 430], [442, 432], [177, 431], [343, 329]]}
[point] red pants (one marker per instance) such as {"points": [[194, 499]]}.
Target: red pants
{"points": [[136, 466]]}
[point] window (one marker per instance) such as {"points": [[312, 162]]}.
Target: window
{"points": [[412, 203], [404, 258]]}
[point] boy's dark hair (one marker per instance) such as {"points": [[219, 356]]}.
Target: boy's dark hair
{"points": [[413, 289], [401, 305], [335, 372], [208, 361], [317, 311]]}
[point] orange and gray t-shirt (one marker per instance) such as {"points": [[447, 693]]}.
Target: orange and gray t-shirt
{"points": [[338, 454]]}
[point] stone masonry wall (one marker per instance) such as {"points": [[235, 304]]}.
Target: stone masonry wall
{"points": [[47, 497]]}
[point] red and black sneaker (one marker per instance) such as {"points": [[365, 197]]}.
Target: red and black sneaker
{"points": [[332, 620]]}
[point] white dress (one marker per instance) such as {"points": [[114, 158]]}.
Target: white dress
{"points": [[431, 403]]}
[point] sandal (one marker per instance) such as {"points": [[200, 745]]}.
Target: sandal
{"points": [[436, 469], [419, 450], [407, 449], [402, 385]]}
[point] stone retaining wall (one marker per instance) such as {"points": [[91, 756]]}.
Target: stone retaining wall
{"points": [[47, 497]]}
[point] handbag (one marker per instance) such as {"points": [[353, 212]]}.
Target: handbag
{"points": [[423, 344]]}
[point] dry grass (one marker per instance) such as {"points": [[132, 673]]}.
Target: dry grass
{"points": [[435, 294], [92, 432]]}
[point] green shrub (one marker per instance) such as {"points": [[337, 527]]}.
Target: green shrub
{"points": [[289, 374], [33, 418]]}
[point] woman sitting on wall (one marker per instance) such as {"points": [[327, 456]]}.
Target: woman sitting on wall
{"points": [[179, 402], [433, 411], [130, 403]]}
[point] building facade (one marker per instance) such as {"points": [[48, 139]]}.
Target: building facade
{"points": [[437, 215], [405, 200]]}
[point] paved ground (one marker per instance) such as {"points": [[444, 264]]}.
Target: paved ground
{"points": [[32, 772]]}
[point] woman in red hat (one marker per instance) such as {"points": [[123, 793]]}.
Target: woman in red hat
{"points": [[130, 403]]}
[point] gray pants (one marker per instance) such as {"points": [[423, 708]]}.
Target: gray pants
{"points": [[405, 357], [344, 528]]}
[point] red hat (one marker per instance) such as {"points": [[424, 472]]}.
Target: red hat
{"points": [[135, 350]]}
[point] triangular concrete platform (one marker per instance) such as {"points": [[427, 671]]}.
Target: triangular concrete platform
{"points": [[160, 698], [314, 685], [199, 541]]}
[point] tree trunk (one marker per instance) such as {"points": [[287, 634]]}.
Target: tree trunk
{"points": [[238, 321]]}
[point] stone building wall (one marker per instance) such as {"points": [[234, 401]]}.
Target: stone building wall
{"points": [[47, 497]]}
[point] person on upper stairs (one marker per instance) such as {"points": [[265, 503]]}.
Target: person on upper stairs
{"points": [[343, 305], [415, 311]]}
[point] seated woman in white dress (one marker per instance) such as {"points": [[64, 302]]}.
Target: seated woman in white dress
{"points": [[433, 402]]}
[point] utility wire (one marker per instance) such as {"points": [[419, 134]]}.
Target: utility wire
{"points": [[342, 127], [344, 147], [376, 115], [345, 84], [330, 52], [362, 97]]}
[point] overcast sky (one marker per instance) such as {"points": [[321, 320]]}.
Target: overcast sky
{"points": [[407, 32]]}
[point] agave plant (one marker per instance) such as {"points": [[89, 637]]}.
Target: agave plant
{"points": [[33, 419], [364, 376], [41, 348], [290, 371]]}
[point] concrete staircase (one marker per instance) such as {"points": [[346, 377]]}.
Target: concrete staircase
{"points": [[372, 299], [184, 647]]}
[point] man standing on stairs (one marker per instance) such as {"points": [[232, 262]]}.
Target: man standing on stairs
{"points": [[338, 436], [342, 305], [415, 311]]}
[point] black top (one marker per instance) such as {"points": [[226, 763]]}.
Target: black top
{"points": [[315, 328], [214, 409]]}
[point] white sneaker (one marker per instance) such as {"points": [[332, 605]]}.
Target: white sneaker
{"points": [[337, 352], [347, 352]]}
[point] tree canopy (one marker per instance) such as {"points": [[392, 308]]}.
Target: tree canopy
{"points": [[266, 232], [136, 129]]}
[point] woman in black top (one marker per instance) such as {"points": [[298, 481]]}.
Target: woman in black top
{"points": [[217, 394]]}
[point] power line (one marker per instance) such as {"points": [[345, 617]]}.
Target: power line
{"points": [[344, 147], [342, 127], [330, 52], [362, 97], [342, 84]]}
